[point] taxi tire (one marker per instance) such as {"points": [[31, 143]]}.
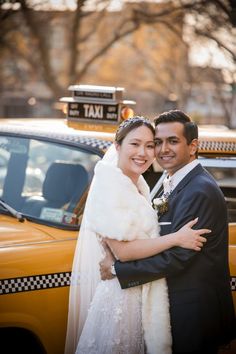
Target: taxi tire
{"points": [[19, 340]]}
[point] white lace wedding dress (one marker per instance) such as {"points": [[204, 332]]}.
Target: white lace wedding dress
{"points": [[113, 315]]}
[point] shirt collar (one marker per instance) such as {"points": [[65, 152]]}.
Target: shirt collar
{"points": [[170, 182]]}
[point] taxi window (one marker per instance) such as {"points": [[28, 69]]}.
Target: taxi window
{"points": [[224, 172], [44, 180]]}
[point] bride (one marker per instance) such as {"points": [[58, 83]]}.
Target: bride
{"points": [[103, 318]]}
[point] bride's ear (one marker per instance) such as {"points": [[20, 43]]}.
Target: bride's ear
{"points": [[117, 146]]}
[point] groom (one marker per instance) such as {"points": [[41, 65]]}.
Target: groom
{"points": [[201, 307]]}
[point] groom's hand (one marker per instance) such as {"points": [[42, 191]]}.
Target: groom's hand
{"points": [[106, 263]]}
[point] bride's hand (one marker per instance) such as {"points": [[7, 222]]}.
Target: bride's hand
{"points": [[106, 262], [188, 238]]}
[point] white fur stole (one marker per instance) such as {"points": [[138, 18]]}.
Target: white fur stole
{"points": [[116, 209]]}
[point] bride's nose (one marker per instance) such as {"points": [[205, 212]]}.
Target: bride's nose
{"points": [[142, 150]]}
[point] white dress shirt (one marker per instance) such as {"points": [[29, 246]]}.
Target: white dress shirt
{"points": [[170, 182]]}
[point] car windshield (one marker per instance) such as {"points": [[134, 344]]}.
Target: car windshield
{"points": [[44, 180]]}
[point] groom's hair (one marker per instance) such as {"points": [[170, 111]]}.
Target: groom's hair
{"points": [[190, 127]]}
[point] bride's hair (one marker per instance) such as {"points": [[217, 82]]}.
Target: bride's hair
{"points": [[132, 123]]}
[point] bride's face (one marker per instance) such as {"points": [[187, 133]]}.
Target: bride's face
{"points": [[136, 152]]}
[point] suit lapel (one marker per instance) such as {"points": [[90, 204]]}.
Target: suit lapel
{"points": [[195, 171], [168, 216]]}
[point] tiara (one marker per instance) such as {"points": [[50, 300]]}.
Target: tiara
{"points": [[132, 120]]}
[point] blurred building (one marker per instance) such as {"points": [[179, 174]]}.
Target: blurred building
{"points": [[210, 99], [151, 63]]}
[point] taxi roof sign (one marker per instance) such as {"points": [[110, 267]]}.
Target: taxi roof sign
{"points": [[100, 104], [90, 92]]}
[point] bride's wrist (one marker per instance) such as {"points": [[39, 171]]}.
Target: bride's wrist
{"points": [[175, 239]]}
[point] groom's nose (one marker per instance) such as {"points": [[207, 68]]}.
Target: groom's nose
{"points": [[163, 147]]}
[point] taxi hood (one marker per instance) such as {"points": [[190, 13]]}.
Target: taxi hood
{"points": [[13, 232]]}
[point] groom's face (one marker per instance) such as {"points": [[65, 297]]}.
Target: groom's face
{"points": [[172, 151]]}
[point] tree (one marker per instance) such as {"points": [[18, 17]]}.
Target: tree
{"points": [[59, 48]]}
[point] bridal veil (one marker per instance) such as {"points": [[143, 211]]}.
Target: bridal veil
{"points": [[85, 271]]}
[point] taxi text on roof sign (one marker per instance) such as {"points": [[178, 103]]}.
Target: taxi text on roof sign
{"points": [[97, 103]]}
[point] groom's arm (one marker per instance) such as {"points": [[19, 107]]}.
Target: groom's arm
{"points": [[146, 270], [176, 259]]}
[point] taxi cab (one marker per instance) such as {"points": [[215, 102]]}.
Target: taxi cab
{"points": [[46, 167]]}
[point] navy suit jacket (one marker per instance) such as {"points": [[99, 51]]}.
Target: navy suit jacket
{"points": [[201, 305]]}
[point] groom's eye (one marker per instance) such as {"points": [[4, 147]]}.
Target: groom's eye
{"points": [[173, 141], [157, 142]]}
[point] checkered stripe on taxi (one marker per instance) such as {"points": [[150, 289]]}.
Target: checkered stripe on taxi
{"points": [[73, 136], [233, 283], [34, 282], [99, 144], [47, 281], [222, 146]]}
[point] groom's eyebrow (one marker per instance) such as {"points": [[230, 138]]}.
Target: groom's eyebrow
{"points": [[164, 138]]}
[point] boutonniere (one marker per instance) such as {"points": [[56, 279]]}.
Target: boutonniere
{"points": [[161, 205]]}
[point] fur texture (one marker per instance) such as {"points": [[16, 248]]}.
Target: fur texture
{"points": [[121, 212]]}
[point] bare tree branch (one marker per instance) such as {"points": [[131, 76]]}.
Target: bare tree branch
{"points": [[35, 27], [85, 27], [116, 37], [74, 39], [153, 17], [208, 34], [222, 5]]}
